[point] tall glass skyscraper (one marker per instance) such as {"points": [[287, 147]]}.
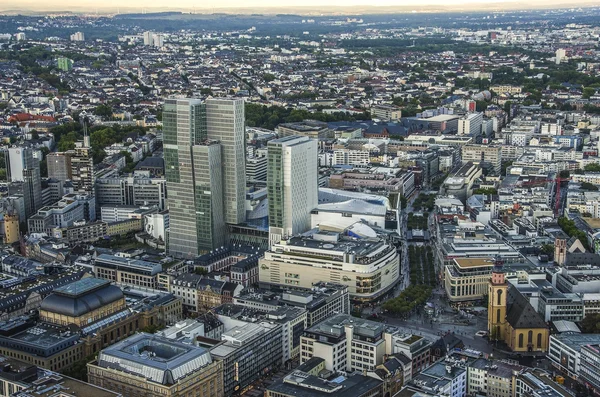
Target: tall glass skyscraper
{"points": [[226, 123], [202, 146], [292, 187]]}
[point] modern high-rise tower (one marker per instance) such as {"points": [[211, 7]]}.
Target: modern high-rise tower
{"points": [[205, 172], [21, 166], [292, 187], [226, 123]]}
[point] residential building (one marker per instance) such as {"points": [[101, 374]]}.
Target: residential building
{"points": [[292, 188], [415, 348], [82, 167], [443, 378], [77, 36], [64, 64], [478, 154], [470, 124], [150, 365], [386, 112]]}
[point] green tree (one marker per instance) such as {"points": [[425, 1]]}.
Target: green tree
{"points": [[589, 186], [201, 271], [588, 92], [592, 167], [485, 191], [591, 324], [103, 110], [564, 174], [268, 77]]}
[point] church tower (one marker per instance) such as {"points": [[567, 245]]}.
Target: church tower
{"points": [[497, 292]]}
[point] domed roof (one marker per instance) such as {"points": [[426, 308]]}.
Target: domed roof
{"points": [[75, 306]]}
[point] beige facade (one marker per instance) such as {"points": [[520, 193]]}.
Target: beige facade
{"points": [[297, 266], [506, 89], [11, 229], [466, 279], [205, 383], [86, 318]]}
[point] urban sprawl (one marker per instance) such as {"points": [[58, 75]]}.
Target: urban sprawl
{"points": [[215, 205]]}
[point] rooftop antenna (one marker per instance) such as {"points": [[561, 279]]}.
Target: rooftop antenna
{"points": [[86, 137]]}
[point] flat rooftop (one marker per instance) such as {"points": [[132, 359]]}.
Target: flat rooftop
{"points": [[53, 384], [335, 326], [474, 262]]}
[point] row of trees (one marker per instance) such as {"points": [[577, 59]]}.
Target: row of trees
{"points": [[425, 201], [408, 301], [417, 222], [422, 266]]}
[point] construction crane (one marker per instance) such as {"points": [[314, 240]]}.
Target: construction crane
{"points": [[558, 181]]}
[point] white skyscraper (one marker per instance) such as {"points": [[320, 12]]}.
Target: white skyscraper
{"points": [[148, 38], [158, 40], [78, 36], [292, 187], [560, 55]]}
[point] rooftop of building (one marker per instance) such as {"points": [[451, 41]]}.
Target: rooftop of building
{"points": [[474, 262], [302, 384], [337, 244], [335, 326], [576, 340], [354, 206], [52, 384], [543, 385], [155, 358], [81, 297], [113, 260]]}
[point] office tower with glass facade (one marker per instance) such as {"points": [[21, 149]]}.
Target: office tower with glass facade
{"points": [[225, 122], [59, 166], [292, 187], [32, 188], [203, 148]]}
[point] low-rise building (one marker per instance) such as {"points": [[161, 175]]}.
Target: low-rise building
{"points": [[151, 365], [127, 271]]}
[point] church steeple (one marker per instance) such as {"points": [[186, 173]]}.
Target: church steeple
{"points": [[497, 292]]}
